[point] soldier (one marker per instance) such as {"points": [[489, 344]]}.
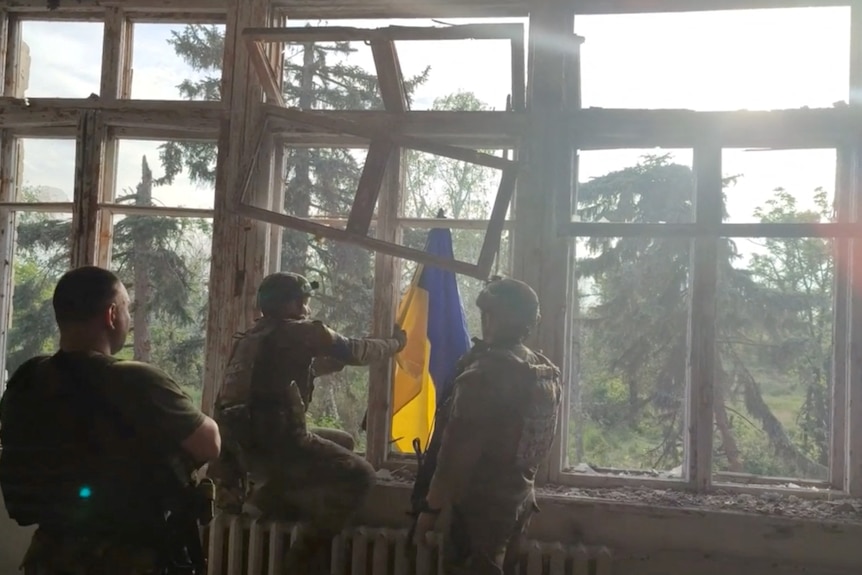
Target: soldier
{"points": [[499, 426], [97, 451], [308, 475]]}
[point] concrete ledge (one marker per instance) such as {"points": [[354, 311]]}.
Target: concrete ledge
{"points": [[647, 534]]}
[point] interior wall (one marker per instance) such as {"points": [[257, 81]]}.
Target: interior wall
{"points": [[13, 542], [649, 540], [662, 553]]}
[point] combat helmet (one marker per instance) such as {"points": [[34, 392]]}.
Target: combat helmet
{"points": [[511, 299], [283, 287]]}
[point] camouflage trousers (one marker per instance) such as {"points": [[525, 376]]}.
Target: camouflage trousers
{"points": [[319, 481], [485, 539], [50, 554], [320, 484], [230, 471]]}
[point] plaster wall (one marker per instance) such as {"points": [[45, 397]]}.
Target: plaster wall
{"points": [[13, 542], [643, 540]]}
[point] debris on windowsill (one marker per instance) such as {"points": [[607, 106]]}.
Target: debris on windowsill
{"points": [[383, 474], [775, 503], [766, 503]]}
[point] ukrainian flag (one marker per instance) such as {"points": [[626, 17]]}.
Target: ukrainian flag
{"points": [[432, 314]]}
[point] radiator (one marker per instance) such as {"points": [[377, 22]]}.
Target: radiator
{"points": [[241, 546]]}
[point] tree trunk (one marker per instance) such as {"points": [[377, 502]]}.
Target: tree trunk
{"points": [[784, 447], [142, 250], [728, 441], [332, 405], [295, 252]]}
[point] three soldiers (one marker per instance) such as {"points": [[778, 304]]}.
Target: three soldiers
{"points": [[492, 433]]}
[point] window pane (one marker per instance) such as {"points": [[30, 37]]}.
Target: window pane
{"points": [[42, 255], [757, 181], [772, 59], [177, 61], [343, 76], [46, 71], [321, 182], [164, 263], [774, 376], [628, 355], [442, 70], [635, 186], [182, 173], [46, 170], [460, 190]]}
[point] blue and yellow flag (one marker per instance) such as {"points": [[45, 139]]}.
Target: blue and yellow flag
{"points": [[432, 314]]}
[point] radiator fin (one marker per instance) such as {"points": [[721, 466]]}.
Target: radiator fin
{"points": [[242, 546]]}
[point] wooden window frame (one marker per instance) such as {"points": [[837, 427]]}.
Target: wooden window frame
{"points": [[94, 124], [383, 133], [708, 133], [596, 129]]}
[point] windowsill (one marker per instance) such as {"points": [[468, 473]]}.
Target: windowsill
{"points": [[646, 521]]}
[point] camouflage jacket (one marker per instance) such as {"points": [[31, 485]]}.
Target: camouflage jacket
{"points": [[292, 350], [498, 426]]}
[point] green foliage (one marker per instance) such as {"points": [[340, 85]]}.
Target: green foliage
{"points": [[176, 263], [42, 255], [774, 335]]}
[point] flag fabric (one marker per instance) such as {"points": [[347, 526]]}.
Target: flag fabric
{"points": [[432, 314]]}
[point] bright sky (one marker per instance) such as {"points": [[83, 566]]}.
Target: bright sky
{"points": [[763, 59]]}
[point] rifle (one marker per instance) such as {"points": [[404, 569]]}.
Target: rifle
{"points": [[182, 547], [427, 461]]}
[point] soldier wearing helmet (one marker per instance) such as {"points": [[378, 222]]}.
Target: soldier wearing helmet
{"points": [[309, 475], [492, 434]]}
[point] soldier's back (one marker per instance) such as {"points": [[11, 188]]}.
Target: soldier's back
{"points": [[277, 347], [522, 398]]}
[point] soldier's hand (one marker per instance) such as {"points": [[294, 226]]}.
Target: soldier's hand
{"points": [[399, 335], [425, 524]]}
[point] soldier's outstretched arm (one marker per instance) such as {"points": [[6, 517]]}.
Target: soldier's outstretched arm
{"points": [[357, 351]]}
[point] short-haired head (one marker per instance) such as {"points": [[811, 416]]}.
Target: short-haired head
{"points": [[93, 299]]}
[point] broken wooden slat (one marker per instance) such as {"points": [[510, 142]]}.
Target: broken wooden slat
{"points": [[366, 242], [267, 77], [494, 232], [370, 183], [389, 76]]}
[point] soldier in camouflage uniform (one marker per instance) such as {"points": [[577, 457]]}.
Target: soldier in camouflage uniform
{"points": [[309, 475], [499, 427]]}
